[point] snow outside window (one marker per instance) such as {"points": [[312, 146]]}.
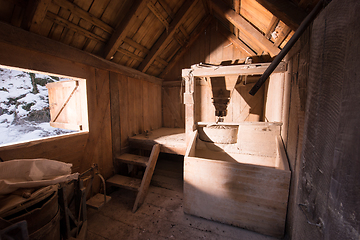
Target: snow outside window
{"points": [[25, 113]]}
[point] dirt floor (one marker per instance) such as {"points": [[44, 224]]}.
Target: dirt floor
{"points": [[161, 216]]}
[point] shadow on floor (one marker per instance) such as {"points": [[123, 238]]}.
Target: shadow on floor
{"points": [[161, 216]]}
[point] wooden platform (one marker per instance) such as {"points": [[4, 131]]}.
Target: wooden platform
{"points": [[172, 140]]}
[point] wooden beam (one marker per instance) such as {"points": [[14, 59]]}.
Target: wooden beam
{"points": [[162, 61], [160, 44], [183, 30], [286, 11], [179, 39], [282, 36], [13, 36], [237, 42], [158, 14], [65, 23], [74, 9], [243, 25], [206, 5], [237, 6], [244, 69], [271, 28], [193, 37], [35, 14], [136, 45], [17, 15], [124, 27], [130, 54]]}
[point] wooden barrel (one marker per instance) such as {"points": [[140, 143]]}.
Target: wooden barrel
{"points": [[43, 218]]}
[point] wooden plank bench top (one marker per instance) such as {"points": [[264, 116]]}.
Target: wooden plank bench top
{"points": [[172, 140], [124, 182], [133, 159]]}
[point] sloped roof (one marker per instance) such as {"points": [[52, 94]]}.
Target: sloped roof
{"points": [[150, 35]]}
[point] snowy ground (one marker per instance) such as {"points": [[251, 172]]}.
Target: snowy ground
{"points": [[24, 115]]}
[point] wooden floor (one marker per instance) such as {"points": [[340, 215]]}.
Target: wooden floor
{"points": [[161, 216]]}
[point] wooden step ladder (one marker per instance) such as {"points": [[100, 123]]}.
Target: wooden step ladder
{"points": [[140, 185]]}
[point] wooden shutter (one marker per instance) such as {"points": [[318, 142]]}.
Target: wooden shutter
{"points": [[68, 105]]}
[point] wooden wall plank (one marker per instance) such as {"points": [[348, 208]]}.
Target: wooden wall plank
{"points": [[115, 113], [68, 149], [146, 90], [124, 110], [99, 145]]}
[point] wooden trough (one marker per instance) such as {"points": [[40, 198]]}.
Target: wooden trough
{"points": [[245, 184]]}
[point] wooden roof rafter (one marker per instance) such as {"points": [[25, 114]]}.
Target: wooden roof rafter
{"points": [[157, 13], [236, 41], [243, 25], [168, 35], [192, 38], [166, 8], [271, 28], [282, 36], [123, 28], [286, 11], [35, 14], [237, 6]]}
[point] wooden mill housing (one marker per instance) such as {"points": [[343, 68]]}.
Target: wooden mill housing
{"points": [[149, 70]]}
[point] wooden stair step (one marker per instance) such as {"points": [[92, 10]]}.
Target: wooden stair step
{"points": [[133, 159], [124, 182]]}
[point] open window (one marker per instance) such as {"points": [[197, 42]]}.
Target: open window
{"points": [[36, 105]]}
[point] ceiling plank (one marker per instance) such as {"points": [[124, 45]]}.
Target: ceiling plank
{"points": [[193, 37], [35, 14], [286, 11], [239, 44], [74, 9], [160, 44], [124, 27], [243, 25]]}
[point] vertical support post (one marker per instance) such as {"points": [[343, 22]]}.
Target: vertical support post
{"points": [[189, 101], [274, 97]]}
